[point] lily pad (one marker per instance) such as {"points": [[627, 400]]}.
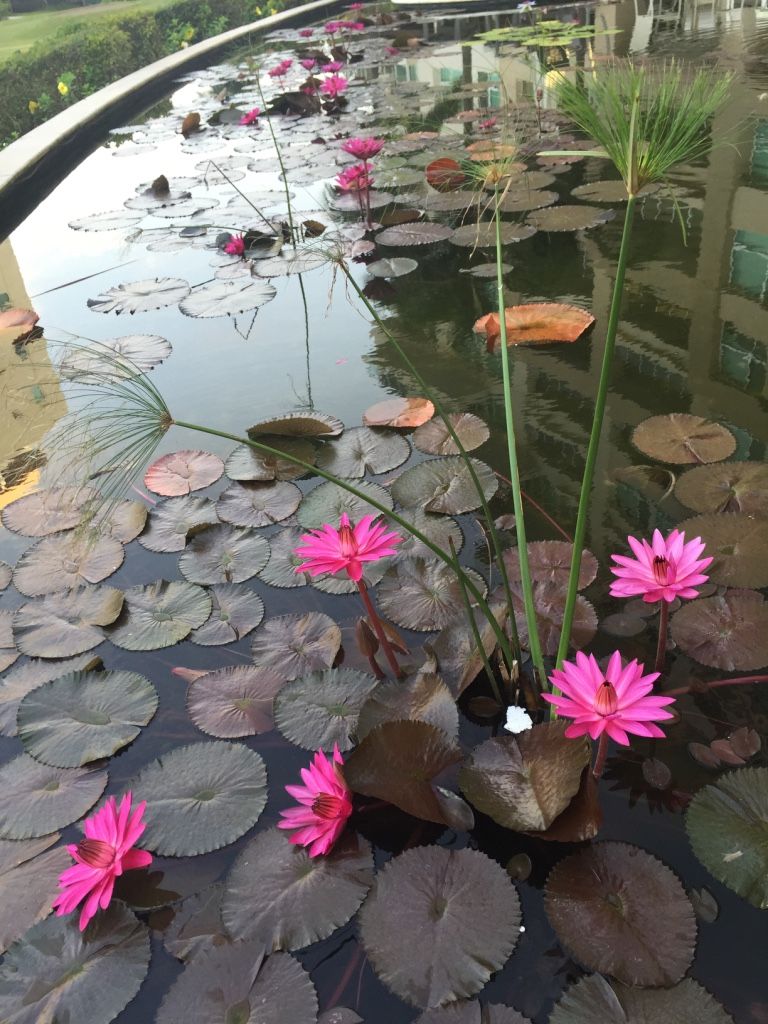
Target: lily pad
{"points": [[549, 603], [423, 594], [360, 451], [299, 425], [727, 824], [399, 412], [14, 686], [61, 625], [6, 575], [321, 709], [247, 464], [171, 522], [112, 220], [398, 266], [258, 504], [200, 797], [159, 614], [525, 781], [278, 895], [36, 799], [455, 652], [58, 973], [444, 485], [183, 472], [235, 613], [123, 521], [433, 438], [46, 512], [609, 191], [569, 218], [63, 562], [727, 487], [295, 645], [233, 702], [141, 296], [8, 651], [622, 912], [224, 554], [537, 323], [326, 503], [29, 874], [419, 233], [482, 235], [423, 698], [728, 631], [116, 357], [738, 544], [439, 922], [522, 200], [550, 563], [441, 530], [472, 1012], [280, 570], [592, 1000], [227, 298], [292, 263], [682, 439], [196, 926], [84, 716]]}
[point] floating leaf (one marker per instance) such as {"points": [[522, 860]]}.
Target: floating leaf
{"points": [[321, 709], [116, 357], [622, 912], [581, 819], [472, 1012], [224, 554], [729, 632], [398, 266], [227, 298], [84, 716], [171, 522], [455, 650], [482, 235], [592, 1000], [247, 463], [727, 487], [278, 895], [14, 686], [234, 614], [8, 652], [423, 698], [29, 873], [727, 824], [434, 438], [58, 973], [550, 563], [233, 702], [200, 797], [610, 191], [62, 562], [258, 504], [159, 614], [444, 174], [681, 439], [326, 503], [361, 450], [441, 530], [439, 922], [745, 742], [61, 625], [112, 220], [6, 575], [399, 412], [280, 570], [549, 603], [141, 296], [654, 483], [423, 594], [183, 472], [449, 202], [298, 424], [339, 1015], [197, 926], [523, 200], [738, 544], [569, 218], [123, 521], [418, 233], [444, 485], [295, 645], [36, 799], [539, 322], [292, 262], [525, 781], [46, 512]]}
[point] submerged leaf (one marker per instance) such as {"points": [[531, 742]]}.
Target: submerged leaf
{"points": [[681, 439], [472, 1012]]}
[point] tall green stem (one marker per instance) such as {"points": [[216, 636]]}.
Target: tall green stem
{"points": [[279, 155], [514, 474], [597, 429]]}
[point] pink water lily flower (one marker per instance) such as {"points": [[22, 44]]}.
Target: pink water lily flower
{"points": [[308, 63], [305, 33], [618, 701], [251, 116], [331, 550], [363, 149], [324, 805], [661, 570], [105, 853], [334, 85], [333, 66], [354, 179], [235, 246]]}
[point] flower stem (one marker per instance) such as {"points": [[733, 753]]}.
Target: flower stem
{"points": [[736, 681], [279, 156], [378, 629], [595, 434], [661, 647], [476, 636], [602, 752]]}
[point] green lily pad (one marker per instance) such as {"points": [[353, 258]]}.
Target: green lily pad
{"points": [[725, 487], [728, 631], [295, 645], [738, 544], [482, 234], [234, 701], [172, 521], [321, 709], [66, 561], [682, 439], [258, 504], [297, 424], [395, 267], [279, 896], [521, 200], [440, 529], [438, 923], [46, 512], [569, 218], [472, 1012], [444, 485], [62, 625], [84, 716], [160, 614], [36, 799], [197, 925], [360, 451], [224, 554], [200, 797], [14, 686], [592, 1000], [609, 191], [283, 560], [325, 504], [423, 698], [727, 824], [235, 612], [58, 973], [423, 594], [246, 463], [434, 439], [29, 875]]}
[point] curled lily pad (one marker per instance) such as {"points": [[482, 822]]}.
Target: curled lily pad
{"points": [[171, 522], [326, 503], [419, 233], [482, 235], [233, 702], [537, 322], [62, 562], [247, 463], [423, 594], [728, 631], [738, 544], [84, 716], [280, 570], [227, 298], [620, 911], [279, 895], [726, 487], [295, 645], [592, 1000], [434, 438], [235, 612], [258, 504], [321, 709], [727, 824], [361, 450], [683, 439], [298, 424], [424, 698], [56, 972], [395, 267], [439, 922], [141, 296], [46, 512], [183, 472], [569, 218], [472, 1012], [444, 485], [15, 685], [653, 483], [159, 614], [62, 625], [399, 412], [201, 797], [550, 563], [525, 781], [36, 799], [29, 873], [224, 554]]}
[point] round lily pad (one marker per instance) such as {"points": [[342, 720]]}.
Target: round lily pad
{"points": [[535, 323], [224, 554], [726, 487], [58, 973], [160, 614], [234, 701], [115, 357], [15, 685], [482, 235], [728, 631], [326, 503], [402, 413], [258, 504], [227, 298], [444, 485], [440, 529], [609, 191], [182, 472], [124, 521], [434, 438], [738, 544], [727, 824], [298, 425], [592, 1000], [278, 895], [419, 233], [439, 922], [141, 296], [549, 603], [200, 797], [62, 625], [29, 874], [522, 200], [622, 912], [682, 439], [6, 575], [569, 218], [423, 594], [550, 563], [36, 799], [64, 561], [171, 522], [360, 451], [84, 716], [321, 709], [8, 651], [395, 267], [471, 1011], [246, 463], [46, 512], [283, 560], [296, 645], [423, 698], [235, 612]]}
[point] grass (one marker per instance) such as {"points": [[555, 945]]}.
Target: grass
{"points": [[20, 32]]}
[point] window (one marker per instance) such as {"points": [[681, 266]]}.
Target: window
{"points": [[743, 361]]}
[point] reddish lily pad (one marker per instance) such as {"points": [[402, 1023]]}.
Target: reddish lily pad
{"points": [[47, 512], [399, 412], [538, 322], [683, 439], [445, 174], [569, 218], [423, 593], [728, 631], [183, 472], [232, 702], [16, 317], [550, 563]]}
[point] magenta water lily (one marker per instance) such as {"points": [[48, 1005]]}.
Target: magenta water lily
{"points": [[324, 805], [663, 570]]}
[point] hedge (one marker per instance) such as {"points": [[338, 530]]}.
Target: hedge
{"points": [[39, 83]]}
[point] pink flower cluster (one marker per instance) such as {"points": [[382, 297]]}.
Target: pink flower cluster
{"points": [[235, 246], [332, 27], [280, 69], [251, 116], [363, 149], [334, 86], [354, 179]]}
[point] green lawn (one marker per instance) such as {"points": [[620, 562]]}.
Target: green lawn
{"points": [[21, 31]]}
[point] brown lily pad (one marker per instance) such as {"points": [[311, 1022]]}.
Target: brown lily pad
{"points": [[728, 632], [433, 438], [682, 439], [727, 487], [183, 472], [569, 218], [232, 702], [738, 544], [399, 412], [550, 563], [538, 322], [592, 1000]]}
